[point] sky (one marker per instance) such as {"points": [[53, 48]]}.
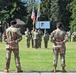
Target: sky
{"points": [[35, 0], [38, 0]]}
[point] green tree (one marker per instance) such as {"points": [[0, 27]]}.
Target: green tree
{"points": [[64, 13], [72, 7], [12, 9], [55, 11], [45, 6], [50, 10]]}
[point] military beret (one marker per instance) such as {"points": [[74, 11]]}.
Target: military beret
{"points": [[13, 22]]}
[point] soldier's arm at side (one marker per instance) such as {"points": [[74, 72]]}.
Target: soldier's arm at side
{"points": [[48, 37]]}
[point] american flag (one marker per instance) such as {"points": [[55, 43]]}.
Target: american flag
{"points": [[33, 15]]}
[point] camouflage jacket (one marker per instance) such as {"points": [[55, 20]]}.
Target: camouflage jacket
{"points": [[59, 35], [46, 36], [36, 35], [28, 35], [40, 35], [12, 34]]}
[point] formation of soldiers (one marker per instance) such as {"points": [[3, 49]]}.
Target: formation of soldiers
{"points": [[72, 36], [36, 38]]}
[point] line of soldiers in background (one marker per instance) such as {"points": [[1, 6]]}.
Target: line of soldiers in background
{"points": [[36, 37], [72, 36]]}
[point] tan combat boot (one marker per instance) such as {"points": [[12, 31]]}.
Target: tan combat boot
{"points": [[6, 70], [54, 69]]}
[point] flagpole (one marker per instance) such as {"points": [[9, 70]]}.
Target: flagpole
{"points": [[39, 22], [33, 25]]}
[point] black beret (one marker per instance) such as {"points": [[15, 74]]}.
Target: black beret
{"points": [[13, 22]]}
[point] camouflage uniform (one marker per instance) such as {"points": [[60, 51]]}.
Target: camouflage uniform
{"points": [[74, 36], [40, 38], [35, 37], [32, 39], [46, 38], [12, 34], [59, 37], [69, 35], [28, 37]]}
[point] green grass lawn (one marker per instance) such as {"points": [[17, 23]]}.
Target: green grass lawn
{"points": [[39, 59]]}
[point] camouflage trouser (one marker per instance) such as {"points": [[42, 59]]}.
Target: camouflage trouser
{"points": [[28, 43], [16, 57], [35, 43], [39, 43], [32, 41], [56, 52], [45, 43], [69, 38], [74, 38]]}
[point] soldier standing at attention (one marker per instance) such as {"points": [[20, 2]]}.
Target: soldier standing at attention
{"points": [[28, 37], [32, 37], [36, 37], [40, 37], [12, 37], [69, 35], [58, 38], [46, 38], [74, 36]]}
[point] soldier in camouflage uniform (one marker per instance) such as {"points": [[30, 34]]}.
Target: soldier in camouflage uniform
{"points": [[12, 37], [36, 37], [32, 35], [46, 38], [69, 35], [28, 37], [59, 38], [40, 37], [74, 36]]}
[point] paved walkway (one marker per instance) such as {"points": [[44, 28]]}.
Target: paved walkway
{"points": [[37, 73]]}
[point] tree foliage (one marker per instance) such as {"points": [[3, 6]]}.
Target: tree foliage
{"points": [[45, 13], [65, 13], [72, 8], [12, 9], [56, 10]]}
